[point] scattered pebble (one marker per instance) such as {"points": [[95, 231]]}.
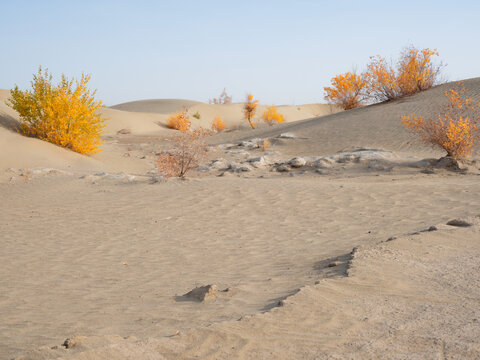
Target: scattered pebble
{"points": [[459, 223], [286, 136], [283, 168], [124, 132], [297, 162], [202, 293], [334, 263]]}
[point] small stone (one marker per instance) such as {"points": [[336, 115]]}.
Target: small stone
{"points": [[286, 136], [259, 161], [324, 163], [219, 165], [334, 263], [391, 238], [202, 293], [124, 131], [283, 168], [71, 342], [297, 162], [459, 223], [236, 167], [432, 228]]}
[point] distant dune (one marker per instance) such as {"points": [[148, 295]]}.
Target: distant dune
{"points": [[232, 114], [158, 106]]}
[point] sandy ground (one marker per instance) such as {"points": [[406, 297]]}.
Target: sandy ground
{"points": [[96, 250]]}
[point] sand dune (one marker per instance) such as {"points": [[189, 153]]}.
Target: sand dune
{"points": [[103, 254], [375, 126]]}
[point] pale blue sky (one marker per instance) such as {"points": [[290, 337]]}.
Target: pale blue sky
{"points": [[284, 52]]}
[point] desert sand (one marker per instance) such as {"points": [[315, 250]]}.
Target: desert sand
{"points": [[332, 243]]}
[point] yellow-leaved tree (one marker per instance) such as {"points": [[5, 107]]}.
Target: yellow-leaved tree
{"points": [[64, 114], [249, 110]]}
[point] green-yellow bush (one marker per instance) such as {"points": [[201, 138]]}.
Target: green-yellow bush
{"points": [[64, 114]]}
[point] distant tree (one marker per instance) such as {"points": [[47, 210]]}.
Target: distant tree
{"points": [[222, 99], [249, 110]]}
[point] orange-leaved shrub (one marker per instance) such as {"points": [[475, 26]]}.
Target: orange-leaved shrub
{"points": [[347, 90], [414, 72], [249, 110], [179, 121], [218, 124], [186, 153], [64, 114], [455, 129], [382, 81], [270, 116]]}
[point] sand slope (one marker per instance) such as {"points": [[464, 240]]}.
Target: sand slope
{"points": [[375, 126], [17, 151], [416, 297], [264, 238]]}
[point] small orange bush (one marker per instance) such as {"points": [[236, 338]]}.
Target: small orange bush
{"points": [[179, 121], [249, 110], [264, 145], [188, 150], [65, 114], [270, 115], [218, 124], [456, 128], [347, 90]]}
